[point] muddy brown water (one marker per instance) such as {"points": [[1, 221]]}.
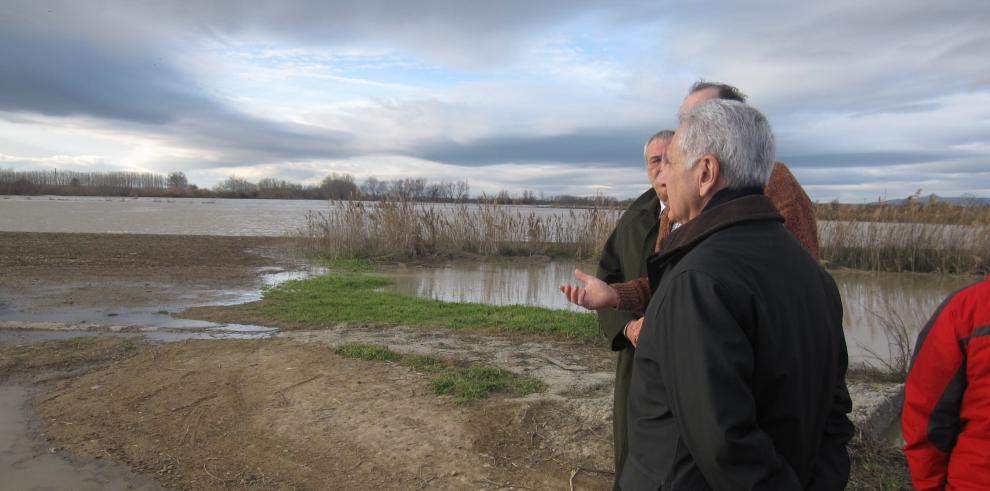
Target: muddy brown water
{"points": [[26, 463], [175, 216], [870, 300]]}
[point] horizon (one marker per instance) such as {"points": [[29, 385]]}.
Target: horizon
{"points": [[875, 101], [919, 194]]}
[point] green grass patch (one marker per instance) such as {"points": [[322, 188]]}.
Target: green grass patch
{"points": [[346, 265], [467, 384], [369, 352], [424, 363], [877, 466], [359, 298], [462, 383]]}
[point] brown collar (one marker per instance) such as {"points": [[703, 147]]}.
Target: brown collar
{"points": [[750, 208]]}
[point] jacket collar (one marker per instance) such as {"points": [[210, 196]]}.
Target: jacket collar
{"points": [[748, 207], [646, 203]]}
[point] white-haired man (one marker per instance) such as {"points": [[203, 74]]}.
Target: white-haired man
{"points": [[727, 392]]}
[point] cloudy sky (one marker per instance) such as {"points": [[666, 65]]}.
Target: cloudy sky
{"points": [[866, 99]]}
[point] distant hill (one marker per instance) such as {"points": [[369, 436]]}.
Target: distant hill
{"points": [[960, 200]]}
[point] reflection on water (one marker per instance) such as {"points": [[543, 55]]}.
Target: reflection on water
{"points": [[495, 283], [866, 297], [871, 299]]}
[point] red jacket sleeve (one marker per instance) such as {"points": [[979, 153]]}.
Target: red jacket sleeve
{"points": [[946, 394]]}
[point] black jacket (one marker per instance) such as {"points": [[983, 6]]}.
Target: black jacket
{"points": [[624, 258], [739, 378]]}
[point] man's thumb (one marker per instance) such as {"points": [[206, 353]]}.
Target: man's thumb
{"points": [[582, 276]]}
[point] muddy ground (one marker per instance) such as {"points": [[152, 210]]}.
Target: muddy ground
{"points": [[285, 413], [42, 271], [281, 413]]}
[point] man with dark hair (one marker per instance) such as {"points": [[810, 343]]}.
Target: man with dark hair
{"points": [[723, 91], [623, 258]]}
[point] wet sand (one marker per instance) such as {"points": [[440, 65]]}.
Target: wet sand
{"points": [[27, 464]]}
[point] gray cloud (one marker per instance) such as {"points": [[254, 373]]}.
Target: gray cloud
{"points": [[619, 147], [861, 159], [120, 64], [142, 92]]}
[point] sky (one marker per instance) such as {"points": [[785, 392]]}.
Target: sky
{"points": [[867, 100]]}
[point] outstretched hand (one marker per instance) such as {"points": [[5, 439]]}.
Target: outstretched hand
{"points": [[596, 294]]}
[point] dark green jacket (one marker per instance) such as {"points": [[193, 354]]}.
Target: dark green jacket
{"points": [[623, 259]]}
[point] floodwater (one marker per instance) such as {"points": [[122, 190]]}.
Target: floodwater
{"points": [[152, 322], [869, 299], [27, 464], [172, 216]]}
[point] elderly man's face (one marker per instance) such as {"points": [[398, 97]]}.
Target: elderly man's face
{"points": [[654, 157], [681, 184]]}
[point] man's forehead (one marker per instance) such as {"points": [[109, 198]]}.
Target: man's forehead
{"points": [[657, 146], [694, 98]]}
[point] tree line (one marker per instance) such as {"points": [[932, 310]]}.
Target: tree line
{"points": [[334, 186]]}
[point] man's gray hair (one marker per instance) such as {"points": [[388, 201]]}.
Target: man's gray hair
{"points": [[660, 135], [737, 135]]}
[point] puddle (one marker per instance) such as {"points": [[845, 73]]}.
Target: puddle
{"points": [[27, 464], [151, 322]]}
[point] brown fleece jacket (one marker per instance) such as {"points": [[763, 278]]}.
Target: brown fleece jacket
{"points": [[785, 193]]}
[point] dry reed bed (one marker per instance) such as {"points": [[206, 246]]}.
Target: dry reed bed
{"points": [[404, 229], [400, 229], [903, 247], [915, 211]]}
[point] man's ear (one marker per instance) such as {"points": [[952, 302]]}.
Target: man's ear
{"points": [[708, 177]]}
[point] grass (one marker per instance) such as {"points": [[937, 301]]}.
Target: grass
{"points": [[360, 298], [462, 383], [346, 265], [367, 352], [877, 466], [403, 229], [905, 247], [920, 235], [916, 210]]}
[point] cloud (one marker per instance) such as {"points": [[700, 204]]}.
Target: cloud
{"points": [[144, 94], [608, 147], [549, 94]]}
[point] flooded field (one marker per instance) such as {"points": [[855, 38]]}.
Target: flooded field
{"points": [[170, 216], [867, 297]]}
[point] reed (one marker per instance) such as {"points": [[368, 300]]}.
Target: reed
{"points": [[401, 229], [914, 210], [905, 247]]}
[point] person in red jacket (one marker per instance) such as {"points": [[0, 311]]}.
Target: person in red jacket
{"points": [[946, 418]]}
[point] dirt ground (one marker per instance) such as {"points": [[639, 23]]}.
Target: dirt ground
{"points": [[284, 413], [281, 414], [52, 270]]}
